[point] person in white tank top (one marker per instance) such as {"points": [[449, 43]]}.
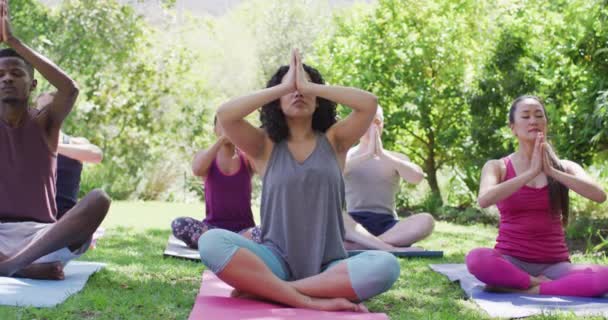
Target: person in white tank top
{"points": [[372, 175]]}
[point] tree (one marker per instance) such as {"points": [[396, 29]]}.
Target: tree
{"points": [[134, 100], [419, 58], [278, 26], [560, 60]]}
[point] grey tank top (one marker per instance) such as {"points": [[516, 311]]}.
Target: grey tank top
{"points": [[371, 186], [301, 208]]}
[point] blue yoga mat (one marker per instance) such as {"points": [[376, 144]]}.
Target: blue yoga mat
{"points": [[515, 305]]}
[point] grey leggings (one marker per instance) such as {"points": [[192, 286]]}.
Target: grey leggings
{"points": [[370, 273]]}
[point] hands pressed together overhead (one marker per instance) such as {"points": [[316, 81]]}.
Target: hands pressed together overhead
{"points": [[374, 147], [296, 76], [6, 34]]}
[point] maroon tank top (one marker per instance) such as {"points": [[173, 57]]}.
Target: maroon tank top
{"points": [[228, 197], [27, 173]]}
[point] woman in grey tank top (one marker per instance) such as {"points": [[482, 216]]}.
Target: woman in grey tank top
{"points": [[300, 152], [371, 177]]}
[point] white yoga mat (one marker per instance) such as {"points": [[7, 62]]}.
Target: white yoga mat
{"points": [[178, 249]]}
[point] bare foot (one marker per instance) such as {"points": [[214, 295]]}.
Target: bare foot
{"points": [[494, 289], [535, 281], [363, 308], [244, 295], [6, 268], [42, 271], [531, 290], [349, 245], [335, 304], [408, 249], [235, 293]]}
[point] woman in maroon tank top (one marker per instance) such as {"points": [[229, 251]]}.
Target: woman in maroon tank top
{"points": [[227, 174], [530, 188]]}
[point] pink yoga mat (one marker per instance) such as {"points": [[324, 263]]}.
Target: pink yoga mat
{"points": [[214, 302]]}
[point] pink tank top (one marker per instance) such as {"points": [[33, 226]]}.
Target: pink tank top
{"points": [[528, 230], [27, 173]]}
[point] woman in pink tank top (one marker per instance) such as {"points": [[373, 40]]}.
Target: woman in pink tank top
{"points": [[530, 188]]}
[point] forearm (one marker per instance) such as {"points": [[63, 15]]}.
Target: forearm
{"points": [[503, 190], [82, 153], [238, 108], [584, 187], [203, 160], [354, 161], [356, 99], [410, 172], [55, 76], [355, 232]]}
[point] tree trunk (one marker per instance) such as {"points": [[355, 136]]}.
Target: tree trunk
{"points": [[431, 172], [431, 169]]}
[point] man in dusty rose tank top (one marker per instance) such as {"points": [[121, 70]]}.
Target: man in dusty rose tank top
{"points": [[32, 243]]}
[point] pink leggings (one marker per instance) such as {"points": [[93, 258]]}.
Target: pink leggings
{"points": [[495, 269]]}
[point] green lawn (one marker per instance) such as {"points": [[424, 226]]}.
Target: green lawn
{"points": [[139, 283], [149, 215]]}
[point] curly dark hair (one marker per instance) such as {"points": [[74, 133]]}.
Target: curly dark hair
{"points": [[273, 118]]}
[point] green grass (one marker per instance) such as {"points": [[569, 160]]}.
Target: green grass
{"points": [[149, 215], [138, 283]]}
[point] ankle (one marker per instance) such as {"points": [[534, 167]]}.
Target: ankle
{"points": [[302, 300], [536, 281], [533, 289]]}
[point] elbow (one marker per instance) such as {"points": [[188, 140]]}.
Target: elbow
{"points": [[222, 114], [73, 90], [414, 176], [198, 170], [97, 157], [483, 203], [373, 101], [350, 234], [93, 154], [418, 177], [197, 173]]}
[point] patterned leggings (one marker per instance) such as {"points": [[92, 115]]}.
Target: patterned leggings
{"points": [[189, 230]]}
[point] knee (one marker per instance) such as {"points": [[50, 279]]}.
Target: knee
{"points": [[428, 223], [100, 199], [210, 241], [476, 259], [176, 223], [214, 247], [391, 269], [379, 272]]}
